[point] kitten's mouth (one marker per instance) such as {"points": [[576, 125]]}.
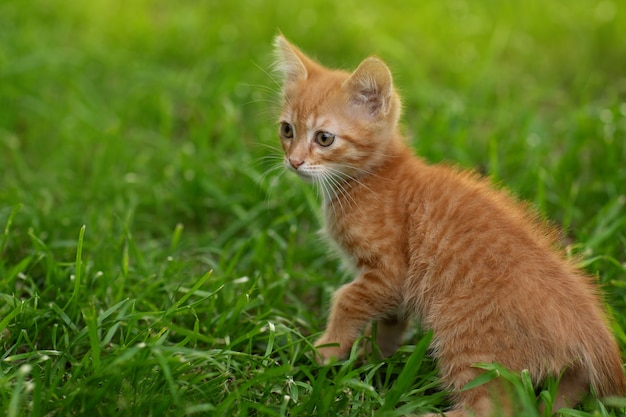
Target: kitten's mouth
{"points": [[301, 173]]}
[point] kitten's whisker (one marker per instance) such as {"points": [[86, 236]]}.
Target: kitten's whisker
{"points": [[271, 170], [345, 177], [275, 105], [272, 147], [269, 75], [262, 87], [269, 159], [350, 198], [325, 190], [339, 185], [329, 184], [272, 184], [333, 196], [360, 170], [268, 164], [276, 172]]}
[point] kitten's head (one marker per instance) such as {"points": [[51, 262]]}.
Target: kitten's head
{"points": [[334, 125]]}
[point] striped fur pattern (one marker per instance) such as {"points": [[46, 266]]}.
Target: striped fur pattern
{"points": [[475, 266]]}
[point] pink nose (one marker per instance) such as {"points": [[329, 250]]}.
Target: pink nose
{"points": [[295, 163]]}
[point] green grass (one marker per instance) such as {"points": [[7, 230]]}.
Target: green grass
{"points": [[151, 263]]}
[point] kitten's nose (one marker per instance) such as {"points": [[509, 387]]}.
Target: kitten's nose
{"points": [[296, 163]]}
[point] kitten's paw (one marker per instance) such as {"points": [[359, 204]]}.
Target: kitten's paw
{"points": [[328, 350]]}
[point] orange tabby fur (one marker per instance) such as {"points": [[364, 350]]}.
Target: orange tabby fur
{"points": [[472, 264]]}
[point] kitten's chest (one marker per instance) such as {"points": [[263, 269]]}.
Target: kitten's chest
{"points": [[366, 234], [346, 235]]}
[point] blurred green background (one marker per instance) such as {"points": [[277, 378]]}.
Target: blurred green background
{"points": [[107, 101]]}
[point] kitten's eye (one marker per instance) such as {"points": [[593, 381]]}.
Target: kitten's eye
{"points": [[324, 138], [286, 131]]}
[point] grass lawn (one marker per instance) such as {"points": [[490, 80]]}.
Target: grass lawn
{"points": [[152, 260]]}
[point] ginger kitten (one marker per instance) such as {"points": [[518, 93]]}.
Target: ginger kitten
{"points": [[472, 264]]}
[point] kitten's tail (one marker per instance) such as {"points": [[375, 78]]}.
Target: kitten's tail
{"points": [[604, 363]]}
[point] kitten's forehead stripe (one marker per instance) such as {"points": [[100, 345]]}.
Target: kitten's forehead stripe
{"points": [[316, 122], [311, 121]]}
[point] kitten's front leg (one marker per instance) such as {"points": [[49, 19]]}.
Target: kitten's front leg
{"points": [[354, 306]]}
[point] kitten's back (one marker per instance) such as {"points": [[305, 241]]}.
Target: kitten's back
{"points": [[485, 275]]}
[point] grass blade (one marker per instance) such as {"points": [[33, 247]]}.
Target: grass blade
{"points": [[78, 268], [408, 373]]}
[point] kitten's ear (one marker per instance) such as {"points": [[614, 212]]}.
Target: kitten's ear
{"points": [[371, 86], [290, 61]]}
